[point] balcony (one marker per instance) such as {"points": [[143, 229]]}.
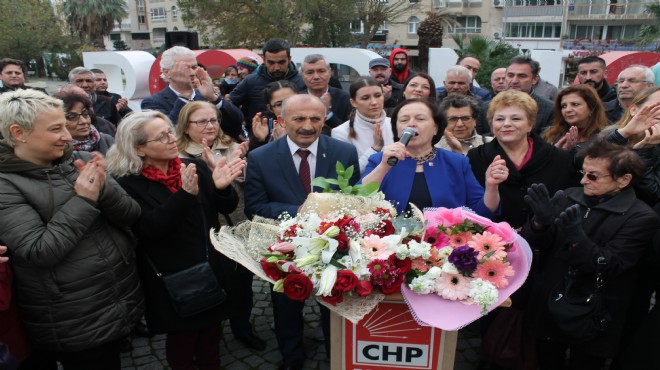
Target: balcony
{"points": [[622, 10], [603, 46], [522, 8]]}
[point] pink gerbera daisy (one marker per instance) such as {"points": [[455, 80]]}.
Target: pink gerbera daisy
{"points": [[419, 264], [487, 242], [495, 271], [374, 247], [436, 259], [459, 240], [454, 287]]}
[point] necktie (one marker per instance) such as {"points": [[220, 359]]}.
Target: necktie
{"points": [[303, 171]]}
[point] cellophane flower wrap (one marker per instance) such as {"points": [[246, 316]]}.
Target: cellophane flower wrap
{"points": [[465, 259]]}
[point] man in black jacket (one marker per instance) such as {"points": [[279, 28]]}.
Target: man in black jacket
{"points": [[316, 74], [102, 89], [277, 66], [103, 106], [593, 71], [12, 74], [379, 69]]}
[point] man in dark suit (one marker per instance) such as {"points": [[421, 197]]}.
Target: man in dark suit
{"points": [[521, 75], [316, 74], [179, 67], [274, 185], [103, 107]]}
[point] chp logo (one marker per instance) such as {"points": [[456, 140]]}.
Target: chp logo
{"points": [[390, 338]]}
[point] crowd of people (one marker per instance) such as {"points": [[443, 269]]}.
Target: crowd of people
{"points": [[104, 209]]}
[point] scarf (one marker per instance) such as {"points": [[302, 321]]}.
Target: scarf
{"points": [[172, 180], [90, 143], [380, 119]]}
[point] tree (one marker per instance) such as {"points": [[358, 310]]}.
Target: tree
{"points": [[29, 28], [491, 54], [246, 23], [330, 23], [375, 13], [93, 19], [430, 34], [119, 45], [650, 33]]}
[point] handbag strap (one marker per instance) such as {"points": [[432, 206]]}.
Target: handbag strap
{"points": [[206, 246]]}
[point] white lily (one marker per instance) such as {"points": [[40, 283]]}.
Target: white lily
{"points": [[307, 260], [327, 281]]}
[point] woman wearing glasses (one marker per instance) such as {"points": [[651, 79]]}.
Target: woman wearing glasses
{"points": [[180, 201], [65, 222], [598, 234], [460, 112], [79, 114]]}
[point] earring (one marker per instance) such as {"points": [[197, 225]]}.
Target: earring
{"points": [[23, 141]]}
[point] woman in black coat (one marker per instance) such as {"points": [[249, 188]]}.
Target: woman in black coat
{"points": [[180, 202], [528, 157], [601, 228]]}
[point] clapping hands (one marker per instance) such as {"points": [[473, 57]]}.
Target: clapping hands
{"points": [[227, 171], [570, 221], [91, 177]]}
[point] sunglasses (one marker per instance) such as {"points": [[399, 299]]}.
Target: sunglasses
{"points": [[593, 177]]}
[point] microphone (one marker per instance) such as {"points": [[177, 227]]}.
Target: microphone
{"points": [[408, 134]]}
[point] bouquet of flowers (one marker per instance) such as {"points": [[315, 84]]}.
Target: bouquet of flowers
{"points": [[471, 261], [342, 252]]}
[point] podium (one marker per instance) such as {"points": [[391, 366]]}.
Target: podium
{"points": [[389, 338]]}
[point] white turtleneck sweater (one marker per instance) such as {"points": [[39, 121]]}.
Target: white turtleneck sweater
{"points": [[364, 138]]}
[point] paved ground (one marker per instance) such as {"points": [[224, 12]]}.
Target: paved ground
{"points": [[149, 354]]}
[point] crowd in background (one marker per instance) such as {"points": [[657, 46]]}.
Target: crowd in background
{"points": [[101, 204]]}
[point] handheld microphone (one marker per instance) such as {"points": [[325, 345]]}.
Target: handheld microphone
{"points": [[408, 134]]}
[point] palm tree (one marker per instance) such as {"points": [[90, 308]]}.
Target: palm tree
{"points": [[430, 34], [650, 33], [491, 54], [93, 19]]}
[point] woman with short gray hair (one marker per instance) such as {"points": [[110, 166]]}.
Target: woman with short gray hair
{"points": [[64, 223]]}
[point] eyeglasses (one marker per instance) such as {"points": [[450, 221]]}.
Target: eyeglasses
{"points": [[454, 120], [593, 177], [75, 117], [204, 122], [164, 137]]}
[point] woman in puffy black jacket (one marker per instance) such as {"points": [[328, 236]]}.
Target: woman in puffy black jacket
{"points": [[65, 224]]}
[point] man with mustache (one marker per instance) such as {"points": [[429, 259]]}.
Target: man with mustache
{"points": [[379, 69], [593, 71], [277, 181]]}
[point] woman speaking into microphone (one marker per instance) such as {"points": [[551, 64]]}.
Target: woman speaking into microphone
{"points": [[427, 176]]}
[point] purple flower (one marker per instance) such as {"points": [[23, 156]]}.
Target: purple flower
{"points": [[465, 259]]}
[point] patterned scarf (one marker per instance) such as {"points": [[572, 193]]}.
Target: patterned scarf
{"points": [[172, 180], [90, 143]]}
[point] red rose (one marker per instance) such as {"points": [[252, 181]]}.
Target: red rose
{"points": [[272, 269], [384, 228], [298, 287], [346, 280], [336, 296], [393, 286], [403, 265], [344, 244], [343, 222], [363, 288]]}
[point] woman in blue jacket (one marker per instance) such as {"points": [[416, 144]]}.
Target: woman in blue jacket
{"points": [[427, 176]]}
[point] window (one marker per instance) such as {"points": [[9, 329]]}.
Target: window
{"points": [[174, 13], [383, 27], [468, 24], [413, 24], [142, 19], [140, 36], [115, 37], [158, 14], [357, 26], [140, 5], [532, 30]]}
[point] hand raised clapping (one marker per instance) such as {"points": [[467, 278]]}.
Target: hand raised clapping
{"points": [[227, 171], [643, 119], [91, 177], [189, 178]]}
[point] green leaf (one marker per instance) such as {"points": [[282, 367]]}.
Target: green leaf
{"points": [[332, 181], [321, 182], [368, 189], [339, 167], [337, 264], [349, 173], [347, 189], [343, 183]]}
